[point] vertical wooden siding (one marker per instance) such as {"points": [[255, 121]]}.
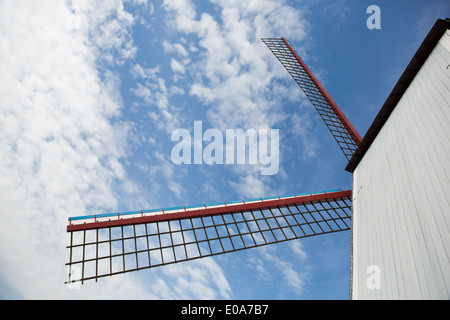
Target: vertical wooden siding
{"points": [[401, 190]]}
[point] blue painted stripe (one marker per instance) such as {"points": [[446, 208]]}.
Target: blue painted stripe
{"points": [[173, 208], [288, 196], [151, 210], [79, 218], [232, 202], [105, 215], [215, 204], [92, 216], [302, 194]]}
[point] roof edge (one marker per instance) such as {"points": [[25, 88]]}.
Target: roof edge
{"points": [[403, 83]]}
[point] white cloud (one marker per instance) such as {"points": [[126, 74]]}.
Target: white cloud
{"points": [[200, 279], [60, 153], [296, 247], [302, 128], [63, 141], [154, 96], [176, 48], [107, 26], [294, 276], [137, 71], [176, 66], [338, 12], [168, 171], [235, 75], [140, 2], [235, 69], [251, 185], [184, 12]]}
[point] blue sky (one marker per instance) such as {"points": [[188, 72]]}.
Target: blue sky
{"points": [[91, 92]]}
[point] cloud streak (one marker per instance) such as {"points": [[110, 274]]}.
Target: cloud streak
{"points": [[63, 142], [234, 76]]}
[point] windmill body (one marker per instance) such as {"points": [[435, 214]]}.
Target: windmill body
{"points": [[401, 185]]}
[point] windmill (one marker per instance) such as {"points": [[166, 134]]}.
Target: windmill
{"points": [[400, 219], [114, 243]]}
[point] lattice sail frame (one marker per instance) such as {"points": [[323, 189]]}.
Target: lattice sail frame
{"points": [[342, 130], [109, 244]]}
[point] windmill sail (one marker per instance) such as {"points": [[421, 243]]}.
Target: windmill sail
{"points": [[109, 244], [342, 130]]}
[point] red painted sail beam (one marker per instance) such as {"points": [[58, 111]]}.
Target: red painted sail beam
{"points": [[352, 131], [208, 211]]}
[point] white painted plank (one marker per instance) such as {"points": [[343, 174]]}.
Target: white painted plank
{"points": [[402, 213]]}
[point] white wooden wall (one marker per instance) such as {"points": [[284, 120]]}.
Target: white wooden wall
{"points": [[401, 190]]}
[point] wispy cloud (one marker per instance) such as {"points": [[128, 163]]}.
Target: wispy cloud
{"points": [[64, 140], [198, 280], [60, 151], [270, 267], [338, 12], [234, 75]]}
